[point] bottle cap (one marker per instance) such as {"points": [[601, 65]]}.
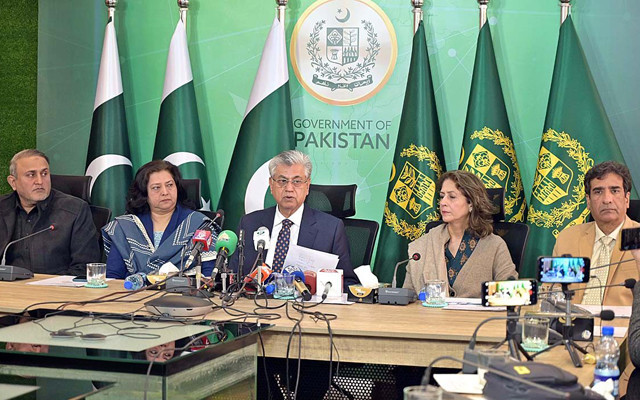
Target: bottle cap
{"points": [[607, 331]]}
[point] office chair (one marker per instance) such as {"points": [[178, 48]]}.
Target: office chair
{"points": [[101, 216], [337, 200], [515, 235], [193, 188], [74, 185], [361, 234]]}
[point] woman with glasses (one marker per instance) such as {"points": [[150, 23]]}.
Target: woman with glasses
{"points": [[463, 251], [159, 224]]}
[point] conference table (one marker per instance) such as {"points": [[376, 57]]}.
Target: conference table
{"points": [[410, 335]]}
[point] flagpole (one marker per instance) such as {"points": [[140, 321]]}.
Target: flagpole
{"points": [[565, 7], [482, 4], [111, 7], [417, 13], [184, 7], [282, 6]]}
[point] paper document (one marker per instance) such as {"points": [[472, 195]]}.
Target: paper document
{"points": [[330, 300], [459, 383], [308, 259], [62, 281]]}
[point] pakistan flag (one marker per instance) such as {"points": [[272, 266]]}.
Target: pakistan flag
{"points": [[417, 164], [487, 146], [576, 136], [266, 130], [108, 157], [178, 139]]}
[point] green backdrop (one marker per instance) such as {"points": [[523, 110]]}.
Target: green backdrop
{"points": [[226, 38]]}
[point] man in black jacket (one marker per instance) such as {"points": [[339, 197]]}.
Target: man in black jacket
{"points": [[34, 206]]}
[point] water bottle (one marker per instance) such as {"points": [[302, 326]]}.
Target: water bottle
{"points": [[135, 281], [607, 354]]}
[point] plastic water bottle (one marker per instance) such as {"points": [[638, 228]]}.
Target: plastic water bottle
{"points": [[607, 354], [135, 281]]}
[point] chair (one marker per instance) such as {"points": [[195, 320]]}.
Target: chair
{"points": [[101, 216], [515, 236], [337, 200], [74, 185], [496, 197], [361, 234], [193, 189]]}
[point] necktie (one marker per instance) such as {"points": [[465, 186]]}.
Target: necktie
{"points": [[593, 296], [282, 245]]}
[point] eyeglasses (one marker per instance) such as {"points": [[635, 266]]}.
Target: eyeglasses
{"points": [[295, 182]]}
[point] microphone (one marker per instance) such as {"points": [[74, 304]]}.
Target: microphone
{"points": [[327, 288], [302, 288], [6, 248], [414, 257], [225, 246], [241, 253], [265, 273], [219, 215], [200, 241], [261, 239]]}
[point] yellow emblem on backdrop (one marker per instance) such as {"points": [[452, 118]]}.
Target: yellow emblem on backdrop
{"points": [[556, 183], [414, 192]]}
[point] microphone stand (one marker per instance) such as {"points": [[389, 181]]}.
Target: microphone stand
{"points": [[511, 338], [567, 332], [240, 255]]}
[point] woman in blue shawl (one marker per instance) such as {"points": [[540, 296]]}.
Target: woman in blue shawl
{"points": [[158, 225]]}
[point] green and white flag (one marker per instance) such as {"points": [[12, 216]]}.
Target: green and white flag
{"points": [[412, 201], [266, 130], [108, 158], [178, 139], [577, 135], [487, 145]]}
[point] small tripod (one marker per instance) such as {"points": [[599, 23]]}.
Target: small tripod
{"points": [[567, 332], [512, 338]]}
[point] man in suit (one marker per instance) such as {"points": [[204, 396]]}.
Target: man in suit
{"points": [[293, 222], [34, 206], [607, 186]]}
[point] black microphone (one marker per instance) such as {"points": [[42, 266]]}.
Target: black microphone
{"points": [[219, 215], [414, 257], [556, 393], [302, 288], [4, 254]]}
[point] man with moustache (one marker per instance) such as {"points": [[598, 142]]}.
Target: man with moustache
{"points": [[34, 206]]}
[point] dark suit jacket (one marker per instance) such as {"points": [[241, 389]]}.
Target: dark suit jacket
{"points": [[68, 248], [318, 231]]}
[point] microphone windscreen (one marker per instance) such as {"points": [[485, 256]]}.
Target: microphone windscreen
{"points": [[630, 283], [52, 227], [607, 315], [227, 239], [415, 256]]}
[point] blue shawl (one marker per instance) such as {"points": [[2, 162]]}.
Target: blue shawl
{"points": [[132, 236]]}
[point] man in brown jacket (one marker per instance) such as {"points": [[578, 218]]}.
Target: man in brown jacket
{"points": [[607, 186]]}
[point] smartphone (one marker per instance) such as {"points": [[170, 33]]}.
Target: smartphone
{"points": [[630, 239], [80, 278], [521, 292], [564, 269]]}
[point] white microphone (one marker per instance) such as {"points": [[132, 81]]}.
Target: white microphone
{"points": [[261, 239], [327, 288]]}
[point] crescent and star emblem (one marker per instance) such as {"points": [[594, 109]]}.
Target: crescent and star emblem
{"points": [[345, 18], [184, 157], [103, 163]]}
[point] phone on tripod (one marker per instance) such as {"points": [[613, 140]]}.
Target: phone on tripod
{"points": [[564, 269], [522, 292], [630, 239]]}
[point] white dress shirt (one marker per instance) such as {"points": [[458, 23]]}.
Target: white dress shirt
{"points": [[296, 218]]}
